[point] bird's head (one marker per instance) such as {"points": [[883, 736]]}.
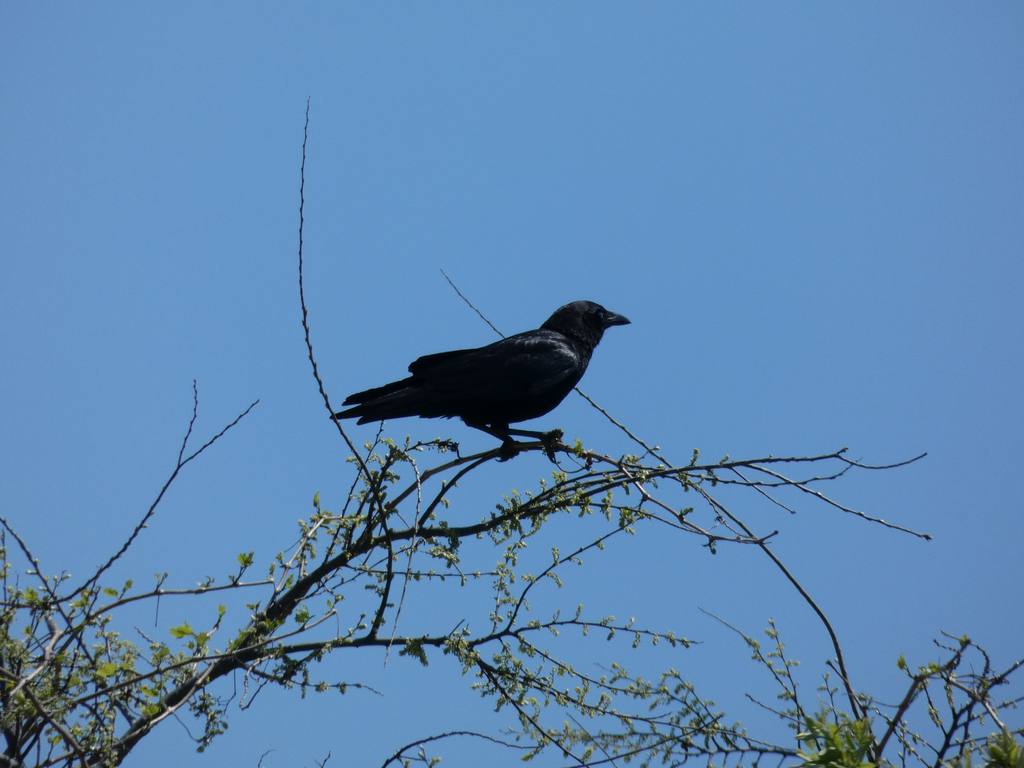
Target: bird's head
{"points": [[585, 320]]}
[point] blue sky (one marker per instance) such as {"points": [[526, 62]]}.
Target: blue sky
{"points": [[812, 213]]}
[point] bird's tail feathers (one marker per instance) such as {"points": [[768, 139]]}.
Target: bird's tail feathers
{"points": [[377, 392], [392, 401]]}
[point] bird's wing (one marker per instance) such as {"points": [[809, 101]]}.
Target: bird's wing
{"points": [[530, 363]]}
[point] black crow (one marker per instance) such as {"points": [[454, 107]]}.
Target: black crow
{"points": [[515, 379]]}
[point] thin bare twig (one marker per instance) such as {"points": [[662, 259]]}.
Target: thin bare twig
{"points": [[855, 707], [305, 311], [420, 742], [482, 316], [177, 469]]}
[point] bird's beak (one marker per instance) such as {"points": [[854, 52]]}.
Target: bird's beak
{"points": [[610, 319]]}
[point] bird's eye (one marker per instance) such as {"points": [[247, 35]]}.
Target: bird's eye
{"points": [[600, 314]]}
